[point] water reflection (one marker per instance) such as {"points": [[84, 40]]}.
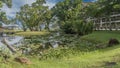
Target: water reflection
{"points": [[45, 41], [12, 40], [20, 40]]}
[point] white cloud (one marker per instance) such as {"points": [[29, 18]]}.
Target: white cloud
{"points": [[50, 4], [16, 4], [10, 12]]}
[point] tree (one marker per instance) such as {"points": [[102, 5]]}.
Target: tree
{"points": [[106, 8], [48, 18], [39, 13], [67, 10], [3, 17], [18, 17], [109, 6], [22, 16], [7, 2], [70, 13], [0, 4], [32, 16]]}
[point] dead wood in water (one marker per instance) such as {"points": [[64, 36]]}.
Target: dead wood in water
{"points": [[12, 49]]}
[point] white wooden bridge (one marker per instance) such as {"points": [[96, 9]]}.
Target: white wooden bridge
{"points": [[111, 23]]}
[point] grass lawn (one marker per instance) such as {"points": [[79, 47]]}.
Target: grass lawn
{"points": [[31, 33], [94, 59], [102, 36]]}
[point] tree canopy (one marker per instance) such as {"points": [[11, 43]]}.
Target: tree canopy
{"points": [[7, 2], [34, 15], [71, 15]]}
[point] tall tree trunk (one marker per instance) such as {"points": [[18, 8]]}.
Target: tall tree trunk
{"points": [[31, 29], [37, 28], [47, 26], [25, 29], [40, 29]]}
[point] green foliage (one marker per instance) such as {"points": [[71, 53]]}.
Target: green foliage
{"points": [[48, 17], [70, 45], [82, 27], [72, 16], [79, 27], [92, 59], [67, 10], [0, 4], [92, 10], [57, 53], [0, 24], [107, 7], [117, 6], [7, 2], [76, 53], [35, 15], [3, 17], [68, 27]]}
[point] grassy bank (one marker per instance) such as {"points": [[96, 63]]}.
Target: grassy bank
{"points": [[102, 36], [93, 59], [31, 33]]}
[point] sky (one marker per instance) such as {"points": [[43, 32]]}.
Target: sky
{"points": [[16, 4]]}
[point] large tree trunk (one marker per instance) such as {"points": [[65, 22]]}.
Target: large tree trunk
{"points": [[25, 29], [12, 49], [47, 26], [31, 29], [37, 28]]}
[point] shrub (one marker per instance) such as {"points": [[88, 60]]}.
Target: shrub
{"points": [[68, 28], [79, 27], [113, 42], [57, 53]]}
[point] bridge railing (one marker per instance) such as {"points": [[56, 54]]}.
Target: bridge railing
{"points": [[107, 23]]}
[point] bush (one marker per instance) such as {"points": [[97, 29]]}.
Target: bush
{"points": [[57, 53], [79, 27], [113, 42], [68, 28]]}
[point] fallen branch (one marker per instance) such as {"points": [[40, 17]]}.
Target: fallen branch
{"points": [[12, 49]]}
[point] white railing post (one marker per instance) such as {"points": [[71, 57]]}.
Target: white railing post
{"points": [[101, 23]]}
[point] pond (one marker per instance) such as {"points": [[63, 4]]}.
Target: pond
{"points": [[49, 40], [18, 41], [36, 44], [12, 40]]}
